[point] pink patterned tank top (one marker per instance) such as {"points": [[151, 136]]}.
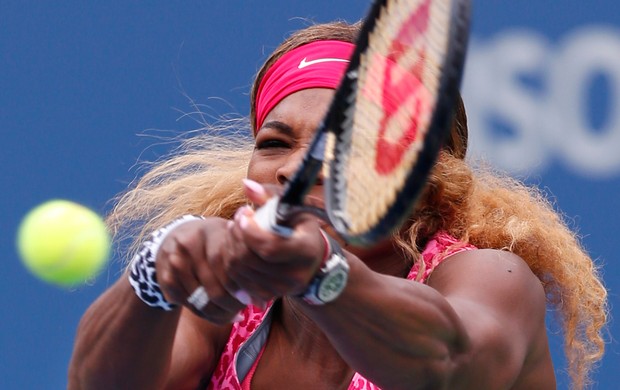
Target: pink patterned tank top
{"points": [[248, 337]]}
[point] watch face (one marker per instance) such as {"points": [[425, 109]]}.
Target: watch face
{"points": [[332, 285]]}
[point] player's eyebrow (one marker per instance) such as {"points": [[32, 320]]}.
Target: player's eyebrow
{"points": [[279, 126]]}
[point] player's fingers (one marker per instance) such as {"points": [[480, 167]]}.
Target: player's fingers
{"points": [[187, 279], [303, 248], [241, 257], [201, 303], [251, 292], [206, 297], [174, 272], [266, 278], [269, 282], [221, 287], [209, 299], [258, 193], [237, 262]]}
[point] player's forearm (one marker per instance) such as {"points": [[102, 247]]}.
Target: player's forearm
{"points": [[122, 343], [395, 332]]}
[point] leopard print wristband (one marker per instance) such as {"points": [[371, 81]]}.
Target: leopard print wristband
{"points": [[142, 275]]}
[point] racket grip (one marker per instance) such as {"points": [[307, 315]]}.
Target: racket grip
{"points": [[266, 218]]}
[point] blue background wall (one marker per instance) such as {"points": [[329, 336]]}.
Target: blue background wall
{"points": [[79, 83]]}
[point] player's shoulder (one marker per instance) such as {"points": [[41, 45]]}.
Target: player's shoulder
{"points": [[488, 259], [497, 285], [490, 268]]}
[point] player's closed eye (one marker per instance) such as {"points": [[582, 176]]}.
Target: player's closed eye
{"points": [[272, 143]]}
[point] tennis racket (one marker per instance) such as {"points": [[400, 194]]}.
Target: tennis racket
{"points": [[387, 122]]}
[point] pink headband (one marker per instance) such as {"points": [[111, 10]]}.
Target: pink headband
{"points": [[319, 64]]}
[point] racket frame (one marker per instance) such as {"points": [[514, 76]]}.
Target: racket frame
{"points": [[276, 214]]}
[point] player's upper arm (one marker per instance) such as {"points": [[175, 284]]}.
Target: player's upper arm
{"points": [[501, 304], [197, 347]]}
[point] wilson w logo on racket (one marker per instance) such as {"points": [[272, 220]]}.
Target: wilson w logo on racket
{"points": [[387, 122]]}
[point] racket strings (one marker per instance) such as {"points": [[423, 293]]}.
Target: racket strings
{"points": [[398, 82]]}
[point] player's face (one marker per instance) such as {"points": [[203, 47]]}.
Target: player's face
{"points": [[286, 135], [282, 143]]}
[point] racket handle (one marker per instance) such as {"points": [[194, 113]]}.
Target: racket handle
{"points": [[266, 218]]}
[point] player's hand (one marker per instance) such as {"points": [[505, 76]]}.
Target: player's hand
{"points": [[190, 271], [265, 264]]}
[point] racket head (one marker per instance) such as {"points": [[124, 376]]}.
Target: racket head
{"points": [[391, 114]]}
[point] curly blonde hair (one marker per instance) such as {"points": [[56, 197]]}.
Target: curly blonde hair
{"points": [[203, 176]]}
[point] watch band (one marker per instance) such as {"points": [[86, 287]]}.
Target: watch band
{"points": [[331, 278]]}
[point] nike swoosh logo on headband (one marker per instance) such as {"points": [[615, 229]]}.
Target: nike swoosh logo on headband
{"points": [[304, 63]]}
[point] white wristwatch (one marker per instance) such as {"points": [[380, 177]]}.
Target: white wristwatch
{"points": [[331, 278]]}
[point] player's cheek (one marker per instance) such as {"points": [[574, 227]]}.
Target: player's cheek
{"points": [[262, 169]]}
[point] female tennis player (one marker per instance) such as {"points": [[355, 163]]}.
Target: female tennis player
{"points": [[456, 299]]}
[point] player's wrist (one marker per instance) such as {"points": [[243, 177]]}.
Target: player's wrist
{"points": [[142, 274], [330, 279]]}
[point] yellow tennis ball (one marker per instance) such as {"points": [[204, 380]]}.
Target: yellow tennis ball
{"points": [[63, 243]]}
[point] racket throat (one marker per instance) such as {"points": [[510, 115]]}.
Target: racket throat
{"points": [[304, 179]]}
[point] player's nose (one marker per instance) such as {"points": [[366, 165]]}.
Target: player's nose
{"points": [[286, 172]]}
